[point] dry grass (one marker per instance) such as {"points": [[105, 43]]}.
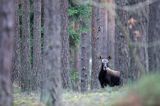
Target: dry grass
{"points": [[144, 93], [103, 97]]}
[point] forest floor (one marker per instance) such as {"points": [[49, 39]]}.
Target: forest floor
{"points": [[142, 93], [102, 97]]}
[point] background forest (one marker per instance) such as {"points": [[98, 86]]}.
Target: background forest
{"points": [[50, 52]]}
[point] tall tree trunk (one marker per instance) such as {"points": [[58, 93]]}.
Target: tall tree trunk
{"points": [[85, 56], [108, 36], [17, 57], [52, 52], [37, 57], [26, 66], [43, 73], [122, 60], [77, 59], [75, 75], [66, 82], [104, 17], [111, 32], [97, 31], [103, 36], [154, 37], [6, 50]]}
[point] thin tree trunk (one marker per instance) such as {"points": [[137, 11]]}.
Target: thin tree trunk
{"points": [[111, 33], [85, 56], [66, 82], [76, 68], [97, 31], [6, 50], [52, 52], [26, 66], [75, 61], [37, 57], [154, 37], [108, 36], [17, 58], [105, 35], [122, 60]]}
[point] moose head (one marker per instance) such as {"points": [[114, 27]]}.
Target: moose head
{"points": [[105, 62]]}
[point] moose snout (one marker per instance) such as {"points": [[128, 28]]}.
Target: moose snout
{"points": [[105, 68]]}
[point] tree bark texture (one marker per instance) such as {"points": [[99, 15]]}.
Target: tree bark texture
{"points": [[37, 56], [111, 33], [76, 69], [122, 59], [26, 66], [17, 57], [108, 36], [52, 52], [103, 12], [154, 37], [7, 16], [66, 82], [97, 31], [85, 56]]}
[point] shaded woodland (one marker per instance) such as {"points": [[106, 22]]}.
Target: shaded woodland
{"points": [[50, 47]]}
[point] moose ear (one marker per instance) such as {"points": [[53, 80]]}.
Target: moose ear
{"points": [[109, 57], [100, 57]]}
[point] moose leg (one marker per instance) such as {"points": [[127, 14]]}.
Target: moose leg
{"points": [[102, 84]]}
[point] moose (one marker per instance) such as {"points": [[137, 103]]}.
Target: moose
{"points": [[107, 76]]}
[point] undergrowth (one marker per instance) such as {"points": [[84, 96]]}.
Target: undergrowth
{"points": [[144, 93]]}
